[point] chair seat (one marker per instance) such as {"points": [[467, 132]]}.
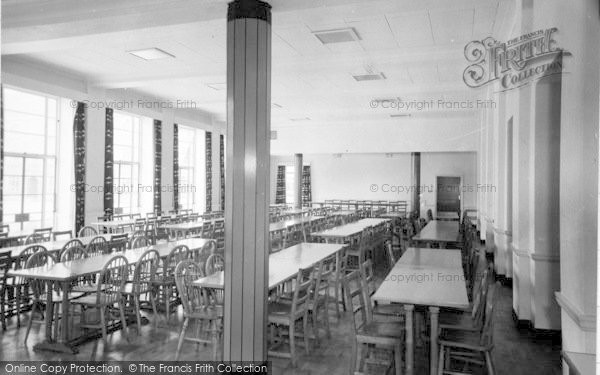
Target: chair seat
{"points": [[87, 288], [464, 339], [373, 332], [279, 312], [212, 312], [92, 300], [57, 297], [142, 288]]}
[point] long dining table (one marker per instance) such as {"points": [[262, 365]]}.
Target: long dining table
{"points": [[51, 246], [344, 232], [440, 232], [283, 265], [432, 278], [63, 274]]}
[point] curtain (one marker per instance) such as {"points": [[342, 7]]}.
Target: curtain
{"points": [[1, 152], [306, 186], [222, 167], [157, 165], [79, 134], [280, 192], [108, 164], [208, 148], [175, 166]]}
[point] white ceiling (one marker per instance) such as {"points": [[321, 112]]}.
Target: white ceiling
{"points": [[418, 45]]}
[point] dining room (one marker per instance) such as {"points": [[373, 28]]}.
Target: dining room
{"points": [[299, 187]]}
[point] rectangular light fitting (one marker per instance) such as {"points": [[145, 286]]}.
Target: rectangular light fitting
{"points": [[299, 119], [337, 35], [401, 115], [369, 77], [217, 86], [151, 54]]}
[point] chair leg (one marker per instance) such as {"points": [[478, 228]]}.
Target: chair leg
{"points": [[103, 325], [214, 339], [359, 360], [398, 359], [2, 307], [292, 344], [123, 320], [167, 302], [18, 303], [326, 312], [441, 360], [153, 303], [489, 363], [56, 312], [136, 302], [305, 329], [33, 310], [181, 337]]}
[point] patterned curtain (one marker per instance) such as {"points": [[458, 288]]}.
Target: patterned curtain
{"points": [[280, 192], [176, 167], [1, 152], [79, 133], [306, 186], [222, 167], [157, 165], [208, 160], [108, 164]]}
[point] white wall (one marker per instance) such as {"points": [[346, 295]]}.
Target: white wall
{"points": [[381, 176]]}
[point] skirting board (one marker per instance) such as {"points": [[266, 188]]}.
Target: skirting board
{"points": [[541, 334]]}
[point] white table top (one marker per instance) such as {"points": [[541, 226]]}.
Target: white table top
{"points": [[70, 270], [281, 225], [114, 223], [51, 245], [351, 229], [441, 231], [185, 226], [283, 265], [426, 277]]}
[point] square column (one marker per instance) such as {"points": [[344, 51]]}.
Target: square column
{"points": [[247, 190]]}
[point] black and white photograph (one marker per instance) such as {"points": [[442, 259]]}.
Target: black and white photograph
{"points": [[299, 187]]}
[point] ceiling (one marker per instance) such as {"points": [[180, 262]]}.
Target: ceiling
{"points": [[417, 45]]}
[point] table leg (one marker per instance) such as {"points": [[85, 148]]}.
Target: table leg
{"points": [[61, 344], [410, 349], [434, 312]]}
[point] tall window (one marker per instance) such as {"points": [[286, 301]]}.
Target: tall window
{"points": [[31, 124], [126, 170], [192, 176], [187, 157], [290, 185]]}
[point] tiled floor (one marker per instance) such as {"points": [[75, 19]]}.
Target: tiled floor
{"points": [[516, 352]]}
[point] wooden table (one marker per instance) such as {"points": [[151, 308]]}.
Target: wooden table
{"points": [[111, 225], [344, 232], [64, 273], [184, 228], [446, 216], [283, 265], [51, 246], [441, 232], [425, 277], [283, 225]]}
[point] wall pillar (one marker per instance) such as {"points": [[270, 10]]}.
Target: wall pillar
{"points": [[298, 174], [247, 190], [416, 182]]}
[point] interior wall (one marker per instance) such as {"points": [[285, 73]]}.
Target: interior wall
{"points": [[382, 176]]}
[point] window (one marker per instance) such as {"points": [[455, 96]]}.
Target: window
{"points": [[187, 157], [290, 185], [30, 128], [191, 144], [126, 169]]}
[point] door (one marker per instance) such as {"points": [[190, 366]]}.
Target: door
{"points": [[448, 194]]}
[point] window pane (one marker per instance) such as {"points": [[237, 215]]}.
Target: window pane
{"points": [[32, 203], [34, 167], [12, 204], [13, 166], [24, 123], [23, 101], [12, 185], [24, 143], [33, 185], [52, 107], [122, 153]]}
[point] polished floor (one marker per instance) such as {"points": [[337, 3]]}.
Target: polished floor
{"points": [[516, 352]]}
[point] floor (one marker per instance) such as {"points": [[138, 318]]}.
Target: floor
{"points": [[516, 352]]}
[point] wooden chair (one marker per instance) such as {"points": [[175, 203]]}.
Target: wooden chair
{"points": [[118, 242], [470, 346], [20, 284], [45, 233], [368, 333], [72, 253], [87, 231], [108, 297], [72, 243], [97, 246], [393, 312], [67, 234], [165, 276], [139, 241], [214, 263], [33, 238], [6, 283], [321, 297], [142, 284], [195, 307], [284, 314]]}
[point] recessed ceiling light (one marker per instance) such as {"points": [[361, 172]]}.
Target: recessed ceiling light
{"points": [[276, 105], [300, 119], [151, 54], [217, 86], [337, 35], [401, 115], [369, 77]]}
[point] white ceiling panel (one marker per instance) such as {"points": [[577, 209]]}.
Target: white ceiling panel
{"points": [[411, 29], [454, 26]]}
